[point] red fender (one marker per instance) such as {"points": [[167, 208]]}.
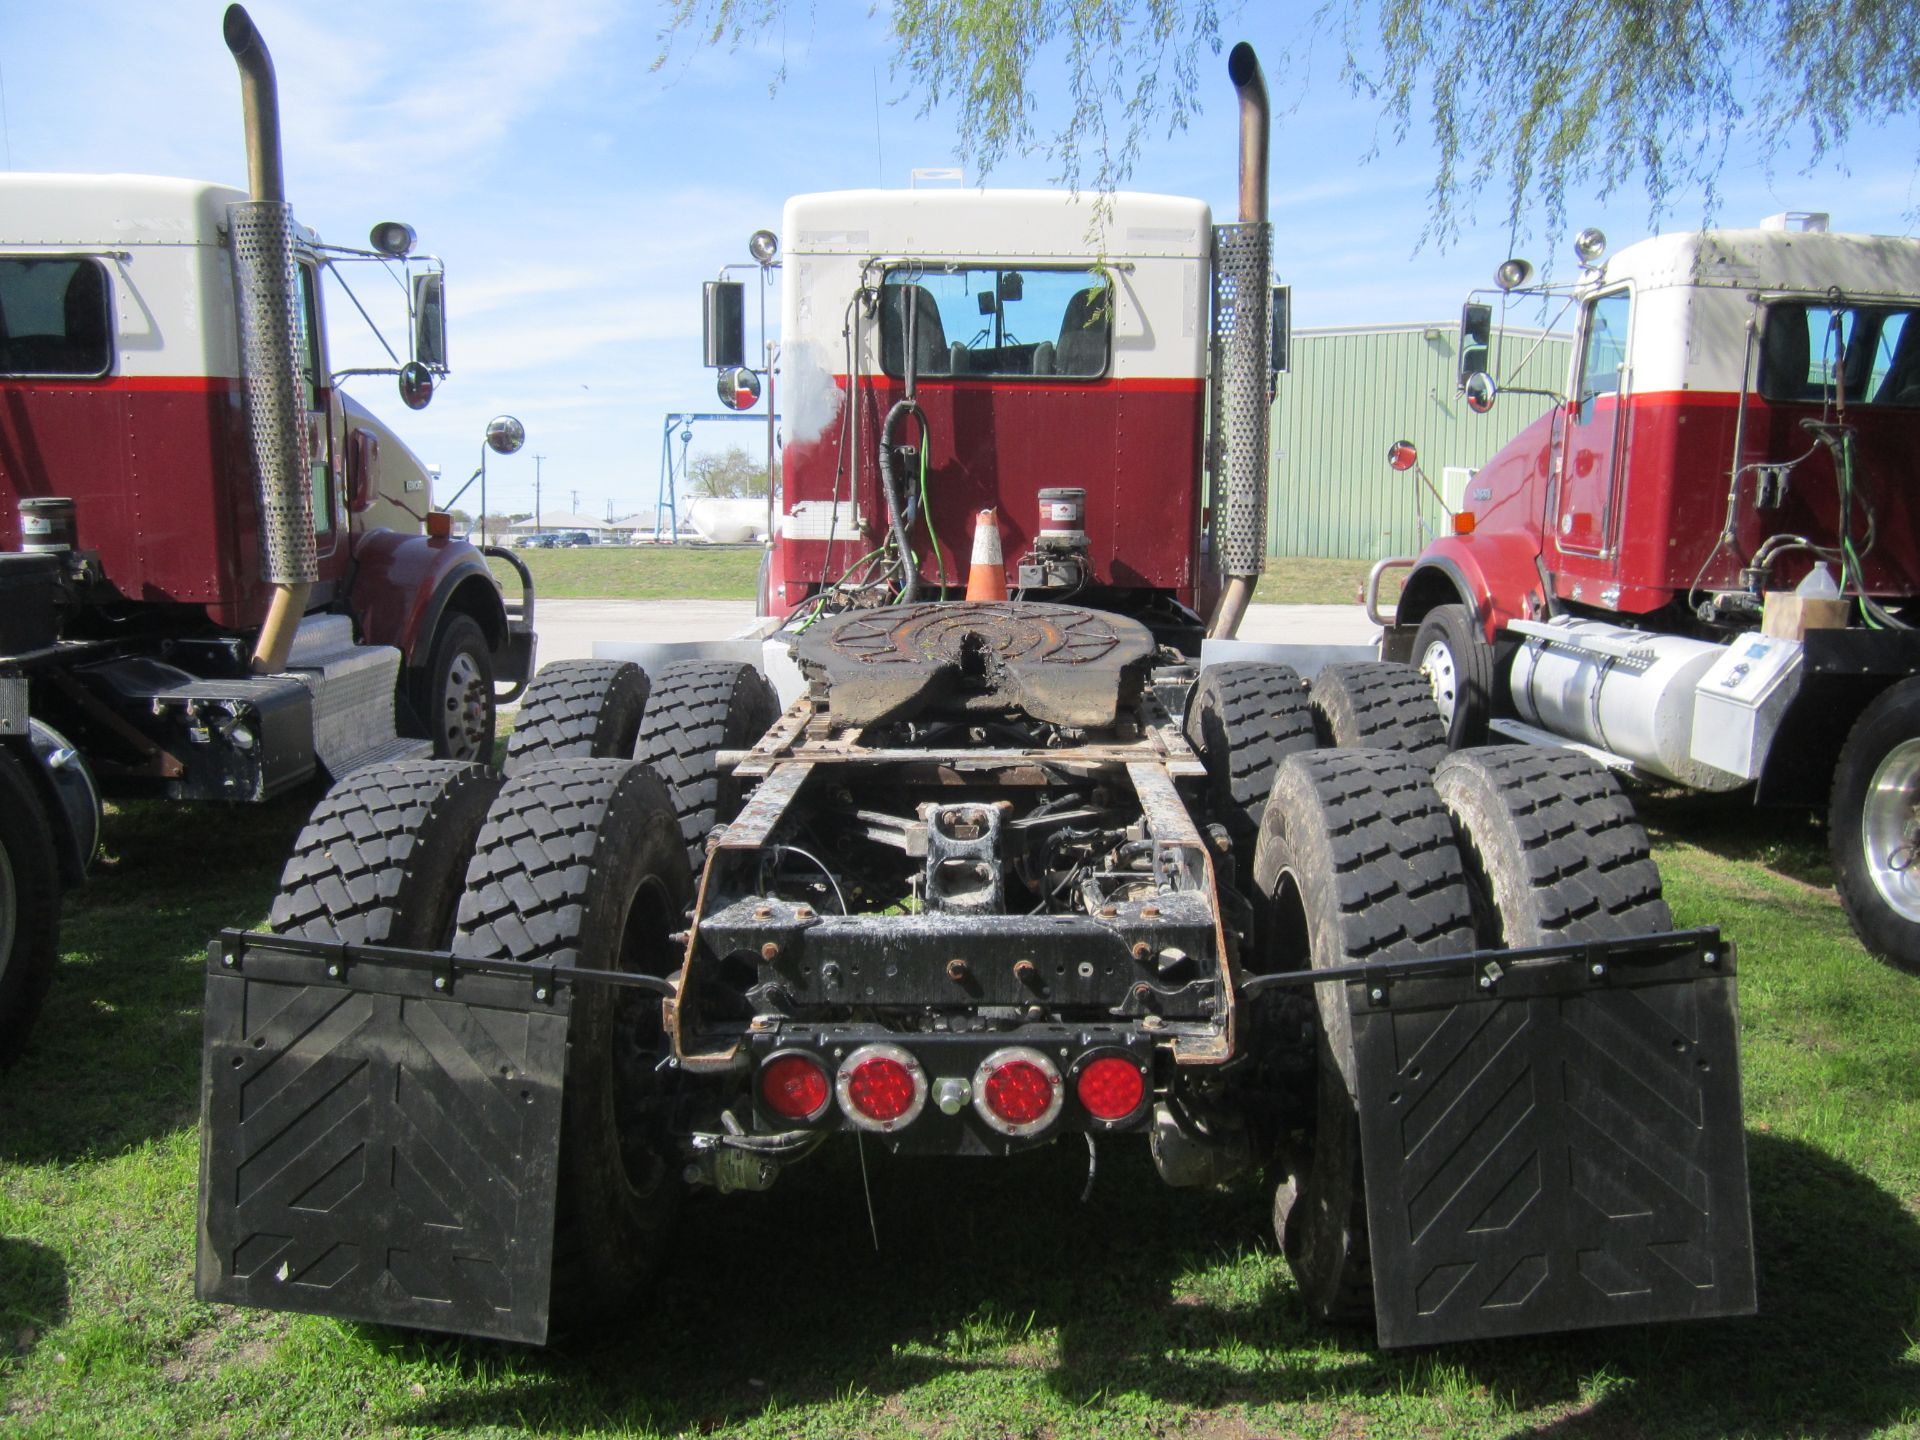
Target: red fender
{"points": [[402, 584], [1496, 576]]}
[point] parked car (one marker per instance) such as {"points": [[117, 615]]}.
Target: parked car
{"points": [[540, 541], [573, 538]]}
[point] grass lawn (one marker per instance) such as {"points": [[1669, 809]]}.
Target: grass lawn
{"points": [[997, 1303], [693, 572], [639, 572]]}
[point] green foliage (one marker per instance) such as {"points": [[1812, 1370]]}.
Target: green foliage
{"points": [[728, 475], [1530, 100]]}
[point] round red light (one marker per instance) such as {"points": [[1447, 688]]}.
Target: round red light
{"points": [[880, 1088], [1111, 1088], [793, 1087], [1019, 1092]]}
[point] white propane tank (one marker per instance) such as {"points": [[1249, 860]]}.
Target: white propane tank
{"points": [[1628, 691]]}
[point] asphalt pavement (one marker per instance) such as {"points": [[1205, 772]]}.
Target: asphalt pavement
{"points": [[569, 628]]}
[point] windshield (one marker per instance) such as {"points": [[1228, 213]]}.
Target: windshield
{"points": [[996, 321]]}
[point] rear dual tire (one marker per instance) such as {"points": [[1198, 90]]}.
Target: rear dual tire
{"points": [[1363, 857], [581, 863], [579, 710], [29, 904]]}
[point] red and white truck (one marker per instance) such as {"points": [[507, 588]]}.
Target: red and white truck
{"points": [[218, 571], [1701, 565]]}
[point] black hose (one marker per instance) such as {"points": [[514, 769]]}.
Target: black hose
{"points": [[896, 507]]}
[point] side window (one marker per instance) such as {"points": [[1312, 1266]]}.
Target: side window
{"points": [[55, 317], [997, 322], [1606, 349], [1813, 354], [313, 377]]}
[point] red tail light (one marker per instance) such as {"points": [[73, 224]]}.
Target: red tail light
{"points": [[881, 1087], [794, 1086], [1111, 1087], [1018, 1091]]}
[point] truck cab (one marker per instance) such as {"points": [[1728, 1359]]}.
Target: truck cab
{"points": [[1701, 563]]}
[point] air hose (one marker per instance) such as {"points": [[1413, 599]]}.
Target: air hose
{"points": [[897, 518]]}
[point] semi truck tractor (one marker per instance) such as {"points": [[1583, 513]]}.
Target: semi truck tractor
{"points": [[218, 571], [965, 877], [1700, 565]]}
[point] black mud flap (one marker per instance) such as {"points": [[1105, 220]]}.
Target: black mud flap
{"points": [[379, 1143], [1554, 1144]]}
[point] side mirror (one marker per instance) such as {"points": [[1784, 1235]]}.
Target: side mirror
{"points": [[430, 320], [1480, 391], [1280, 344], [1012, 286], [739, 387], [505, 434], [1402, 456], [724, 332], [416, 385], [1476, 340]]}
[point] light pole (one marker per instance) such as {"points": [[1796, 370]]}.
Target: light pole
{"points": [[503, 436]]}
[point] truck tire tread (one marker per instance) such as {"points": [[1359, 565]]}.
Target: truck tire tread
{"points": [[1358, 863], [1552, 847], [381, 859], [1244, 717], [579, 709], [27, 847], [698, 708], [1377, 705], [580, 863]]}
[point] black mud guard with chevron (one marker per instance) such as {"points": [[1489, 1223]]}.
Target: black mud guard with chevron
{"points": [[379, 1143], [1556, 1144]]}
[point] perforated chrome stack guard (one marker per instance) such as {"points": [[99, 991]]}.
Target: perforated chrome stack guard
{"points": [[267, 288], [1240, 442]]}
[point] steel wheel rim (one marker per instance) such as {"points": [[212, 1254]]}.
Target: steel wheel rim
{"points": [[9, 909], [1886, 816], [1437, 665], [465, 703]]}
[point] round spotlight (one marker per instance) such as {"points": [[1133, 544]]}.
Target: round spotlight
{"points": [[763, 246], [505, 434], [391, 237], [1512, 274], [1589, 245]]}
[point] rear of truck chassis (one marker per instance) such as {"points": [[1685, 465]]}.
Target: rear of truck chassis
{"points": [[963, 908]]}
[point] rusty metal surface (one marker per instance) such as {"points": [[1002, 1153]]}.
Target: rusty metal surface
{"points": [[757, 819], [1058, 664]]}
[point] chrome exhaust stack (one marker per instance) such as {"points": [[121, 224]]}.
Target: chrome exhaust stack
{"points": [[1242, 347], [267, 291]]}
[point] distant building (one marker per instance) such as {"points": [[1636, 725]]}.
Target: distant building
{"points": [[1351, 392]]}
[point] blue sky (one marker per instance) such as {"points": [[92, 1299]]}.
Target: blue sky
{"points": [[579, 199]]}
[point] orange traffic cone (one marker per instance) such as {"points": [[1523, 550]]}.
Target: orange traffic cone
{"points": [[987, 579]]}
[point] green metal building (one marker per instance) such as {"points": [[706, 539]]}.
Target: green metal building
{"points": [[1350, 393]]}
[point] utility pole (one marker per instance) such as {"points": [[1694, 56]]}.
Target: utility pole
{"points": [[536, 492]]}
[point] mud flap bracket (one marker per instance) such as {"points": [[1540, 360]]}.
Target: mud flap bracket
{"points": [[379, 1140], [1554, 1143]]}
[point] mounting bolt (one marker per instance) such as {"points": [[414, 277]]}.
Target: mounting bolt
{"points": [[763, 912], [228, 960], [1026, 972], [805, 912], [1142, 950], [1107, 912], [1486, 982], [769, 951], [334, 971], [1376, 994], [439, 982], [540, 993], [1151, 912], [1596, 969], [956, 969], [1710, 958]]}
